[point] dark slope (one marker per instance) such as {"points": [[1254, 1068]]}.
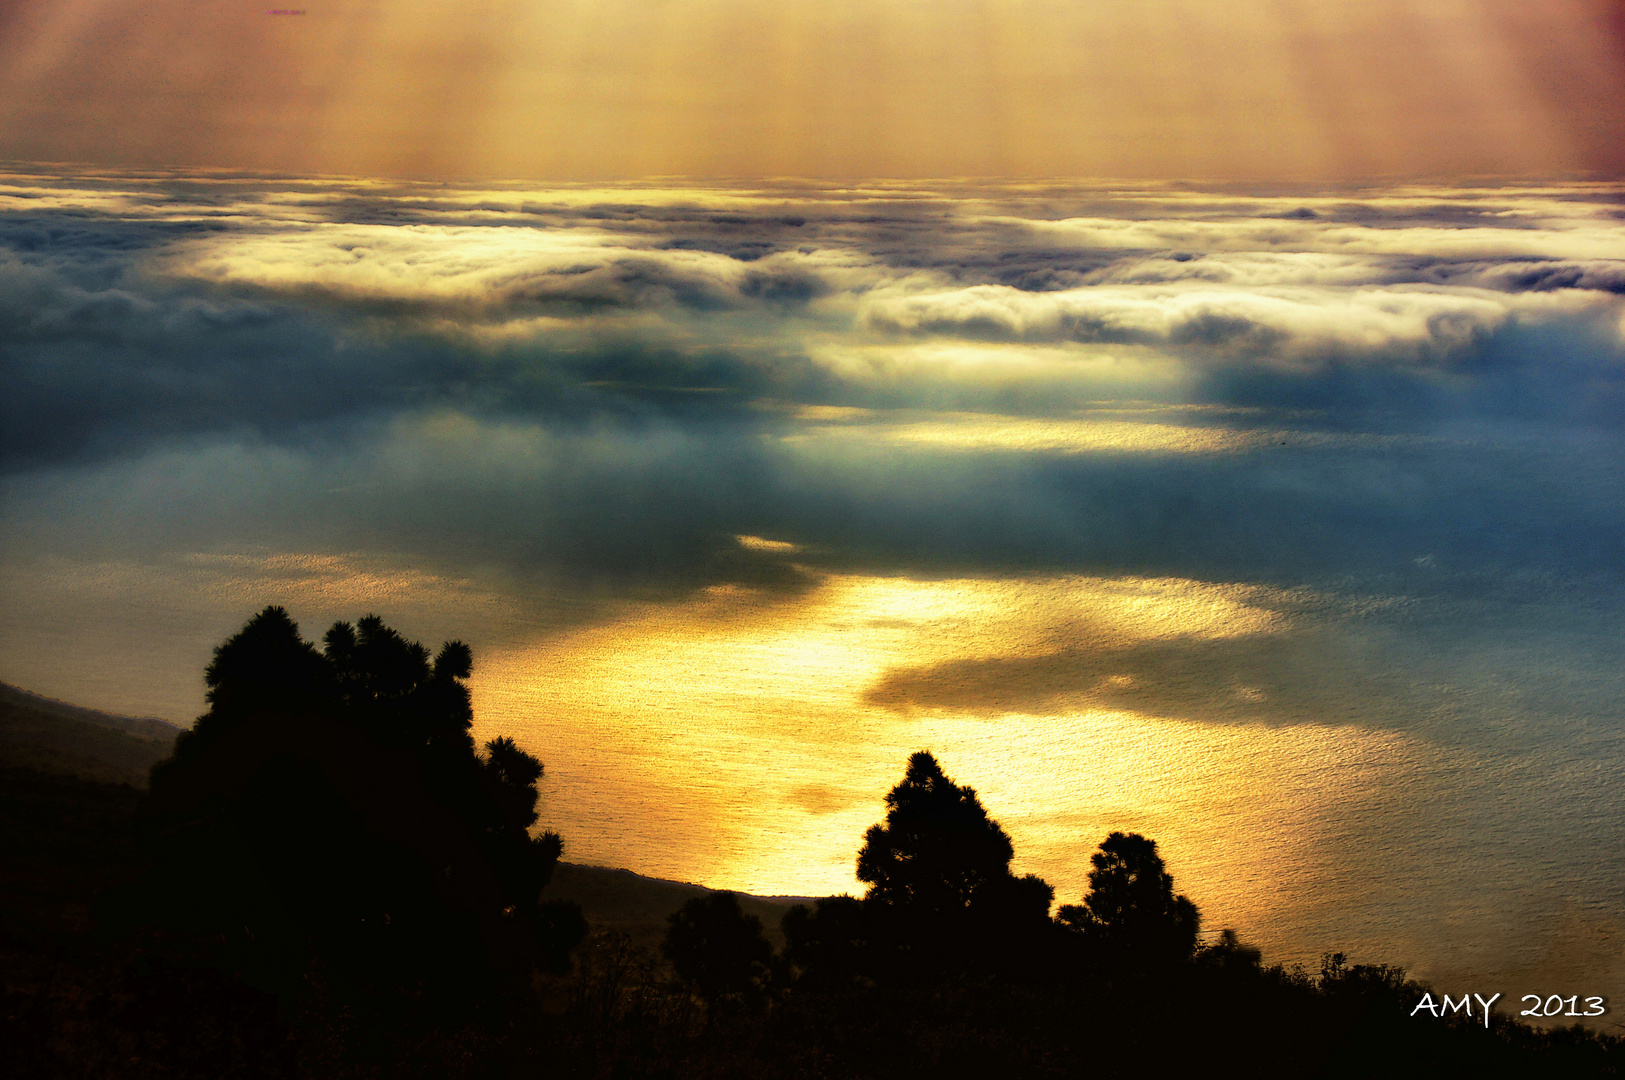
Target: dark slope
{"points": [[52, 736], [640, 906]]}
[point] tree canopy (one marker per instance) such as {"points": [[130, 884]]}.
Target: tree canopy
{"points": [[938, 851], [940, 889], [1131, 906], [330, 812]]}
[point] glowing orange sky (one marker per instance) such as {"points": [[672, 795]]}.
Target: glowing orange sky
{"points": [[1320, 89]]}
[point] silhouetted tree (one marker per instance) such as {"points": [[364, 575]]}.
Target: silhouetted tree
{"points": [[938, 850], [941, 891], [1131, 907], [716, 947], [329, 814]]}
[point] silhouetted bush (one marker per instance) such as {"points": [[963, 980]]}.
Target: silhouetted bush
{"points": [[717, 948], [831, 944]]}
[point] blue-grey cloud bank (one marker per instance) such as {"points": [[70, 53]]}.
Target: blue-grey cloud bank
{"points": [[604, 386]]}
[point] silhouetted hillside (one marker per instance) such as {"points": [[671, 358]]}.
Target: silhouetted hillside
{"points": [[56, 737], [639, 906]]}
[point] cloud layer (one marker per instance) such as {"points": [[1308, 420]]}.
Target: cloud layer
{"points": [[592, 392], [615, 382]]}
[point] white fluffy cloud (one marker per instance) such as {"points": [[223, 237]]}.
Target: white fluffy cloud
{"points": [[1273, 323]]}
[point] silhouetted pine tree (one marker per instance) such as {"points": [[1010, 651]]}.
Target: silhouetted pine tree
{"points": [[941, 892], [327, 827], [1131, 909]]}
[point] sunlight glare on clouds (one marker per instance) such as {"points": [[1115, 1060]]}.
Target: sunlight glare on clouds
{"points": [[971, 432], [477, 267], [757, 543]]}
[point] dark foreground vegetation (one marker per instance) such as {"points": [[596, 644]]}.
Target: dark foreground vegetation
{"points": [[328, 879]]}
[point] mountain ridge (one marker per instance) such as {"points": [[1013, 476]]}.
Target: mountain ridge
{"points": [[51, 736], [142, 727]]}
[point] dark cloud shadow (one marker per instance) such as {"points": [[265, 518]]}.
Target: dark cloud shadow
{"points": [[1275, 678]]}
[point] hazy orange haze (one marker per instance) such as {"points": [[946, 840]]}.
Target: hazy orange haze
{"points": [[1319, 89]]}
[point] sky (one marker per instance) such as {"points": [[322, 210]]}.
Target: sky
{"points": [[1194, 420], [622, 89]]}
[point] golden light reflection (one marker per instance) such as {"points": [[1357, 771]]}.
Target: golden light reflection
{"points": [[1081, 435], [1070, 436], [727, 740], [758, 543], [1110, 371]]}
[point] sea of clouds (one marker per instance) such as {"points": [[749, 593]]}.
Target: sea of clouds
{"points": [[601, 387], [1394, 418], [577, 394]]}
